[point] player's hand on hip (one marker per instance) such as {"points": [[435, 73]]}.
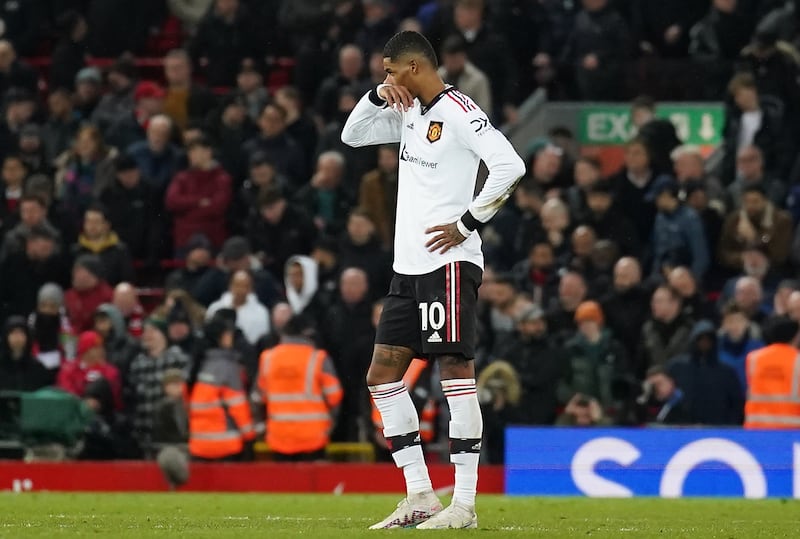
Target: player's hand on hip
{"points": [[397, 97], [447, 237]]}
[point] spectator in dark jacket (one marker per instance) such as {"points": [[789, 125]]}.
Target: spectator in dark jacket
{"points": [[299, 123], [23, 273], [662, 27], [752, 120], [70, 52], [678, 236], [572, 291], [657, 133], [716, 42], [133, 210], [236, 255], [19, 369], [695, 303], [597, 49], [489, 50], [157, 158], [15, 73], [359, 247], [32, 214], [98, 238], [540, 365], [185, 102], [348, 338], [279, 230], [61, 126], [632, 184], [196, 264], [750, 171], [119, 101], [281, 149], [225, 36], [327, 197], [673, 409], [198, 198], [712, 390], [609, 224], [87, 92], [627, 305], [665, 334], [537, 275], [350, 73], [233, 129], [119, 26]]}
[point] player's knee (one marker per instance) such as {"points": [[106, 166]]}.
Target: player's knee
{"points": [[378, 376], [455, 366]]}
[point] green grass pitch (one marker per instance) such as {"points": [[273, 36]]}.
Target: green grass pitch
{"points": [[50, 515]]}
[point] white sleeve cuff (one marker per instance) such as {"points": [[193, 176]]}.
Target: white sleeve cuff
{"points": [[463, 229]]}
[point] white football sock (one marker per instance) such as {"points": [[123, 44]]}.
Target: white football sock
{"points": [[466, 430], [401, 430]]}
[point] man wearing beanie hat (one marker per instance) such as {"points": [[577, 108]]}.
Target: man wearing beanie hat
{"points": [[89, 291], [148, 98], [90, 363], [146, 375], [595, 358]]}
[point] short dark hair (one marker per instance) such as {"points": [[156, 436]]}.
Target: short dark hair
{"points": [[33, 197], [409, 42], [269, 196], [97, 207], [454, 44], [200, 142], [754, 187]]}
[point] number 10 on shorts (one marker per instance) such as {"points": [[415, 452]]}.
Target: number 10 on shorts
{"points": [[432, 314]]}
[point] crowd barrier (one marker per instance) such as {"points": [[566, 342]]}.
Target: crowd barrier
{"points": [[669, 463], [132, 476]]}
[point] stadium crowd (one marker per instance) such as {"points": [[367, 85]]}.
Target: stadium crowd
{"points": [[263, 228]]}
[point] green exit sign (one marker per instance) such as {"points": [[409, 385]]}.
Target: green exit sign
{"points": [[610, 125]]}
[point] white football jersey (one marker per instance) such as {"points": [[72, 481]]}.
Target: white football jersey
{"points": [[441, 146]]}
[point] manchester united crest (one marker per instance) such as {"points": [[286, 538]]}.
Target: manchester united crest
{"points": [[435, 131]]}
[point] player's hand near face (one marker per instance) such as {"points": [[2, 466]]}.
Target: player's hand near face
{"points": [[447, 237], [397, 97]]}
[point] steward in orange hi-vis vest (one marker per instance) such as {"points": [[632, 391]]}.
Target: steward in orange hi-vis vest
{"points": [[219, 413], [299, 386], [773, 380]]}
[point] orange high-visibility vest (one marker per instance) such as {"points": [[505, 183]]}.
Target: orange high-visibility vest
{"points": [[427, 418], [219, 413], [773, 395], [300, 389]]}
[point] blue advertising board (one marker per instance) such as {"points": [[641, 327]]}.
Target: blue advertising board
{"points": [[670, 463]]}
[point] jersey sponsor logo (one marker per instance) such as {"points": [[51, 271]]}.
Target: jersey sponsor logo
{"points": [[479, 124], [435, 337], [435, 131], [413, 159]]}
